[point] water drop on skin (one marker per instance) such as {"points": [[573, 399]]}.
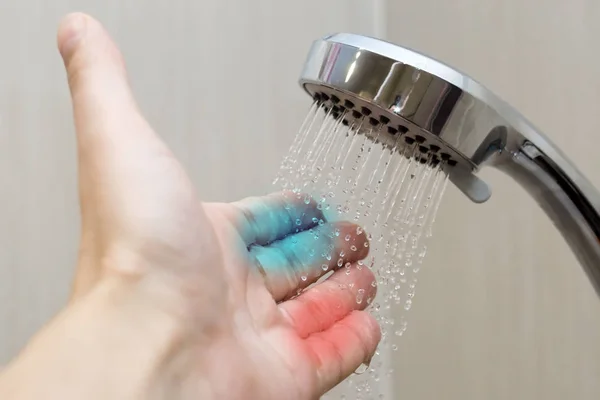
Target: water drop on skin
{"points": [[298, 222], [361, 369], [304, 278], [324, 267], [359, 296], [353, 248], [347, 238]]}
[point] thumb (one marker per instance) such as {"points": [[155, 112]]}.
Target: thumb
{"points": [[133, 192], [114, 142], [96, 75], [103, 104]]}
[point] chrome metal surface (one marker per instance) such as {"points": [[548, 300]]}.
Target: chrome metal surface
{"points": [[405, 92]]}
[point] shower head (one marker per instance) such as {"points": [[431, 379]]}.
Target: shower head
{"points": [[452, 120]]}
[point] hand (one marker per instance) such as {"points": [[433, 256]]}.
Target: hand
{"points": [[178, 299]]}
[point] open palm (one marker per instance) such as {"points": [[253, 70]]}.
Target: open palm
{"points": [[294, 346], [228, 276]]}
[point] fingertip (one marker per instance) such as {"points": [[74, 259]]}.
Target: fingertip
{"points": [[372, 326], [362, 282], [368, 332], [71, 30], [341, 349], [354, 238]]}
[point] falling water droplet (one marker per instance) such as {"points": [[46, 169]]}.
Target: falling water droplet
{"points": [[353, 176]]}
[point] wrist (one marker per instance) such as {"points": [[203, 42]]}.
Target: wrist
{"points": [[108, 344]]}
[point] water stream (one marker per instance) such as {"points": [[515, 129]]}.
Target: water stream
{"points": [[392, 193]]}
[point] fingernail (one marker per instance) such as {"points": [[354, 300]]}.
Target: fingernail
{"points": [[71, 31]]}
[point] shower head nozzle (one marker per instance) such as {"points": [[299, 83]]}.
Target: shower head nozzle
{"points": [[453, 118], [408, 94]]}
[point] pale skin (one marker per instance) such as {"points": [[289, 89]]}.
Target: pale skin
{"points": [[174, 298]]}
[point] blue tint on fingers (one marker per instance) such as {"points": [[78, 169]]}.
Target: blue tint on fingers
{"points": [[296, 261], [266, 219]]}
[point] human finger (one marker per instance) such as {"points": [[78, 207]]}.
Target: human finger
{"points": [[293, 263], [320, 307], [265, 219]]}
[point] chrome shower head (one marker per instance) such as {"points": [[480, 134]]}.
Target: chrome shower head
{"points": [[454, 121]]}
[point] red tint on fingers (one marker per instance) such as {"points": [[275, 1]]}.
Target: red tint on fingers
{"points": [[340, 350], [320, 307]]}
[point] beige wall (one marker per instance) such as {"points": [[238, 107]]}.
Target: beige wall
{"points": [[502, 310]]}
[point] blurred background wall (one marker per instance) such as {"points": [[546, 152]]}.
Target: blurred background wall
{"points": [[502, 308]]}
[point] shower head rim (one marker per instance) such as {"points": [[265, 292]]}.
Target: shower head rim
{"points": [[435, 68]]}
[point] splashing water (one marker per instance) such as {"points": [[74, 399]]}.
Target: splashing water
{"points": [[392, 194]]}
